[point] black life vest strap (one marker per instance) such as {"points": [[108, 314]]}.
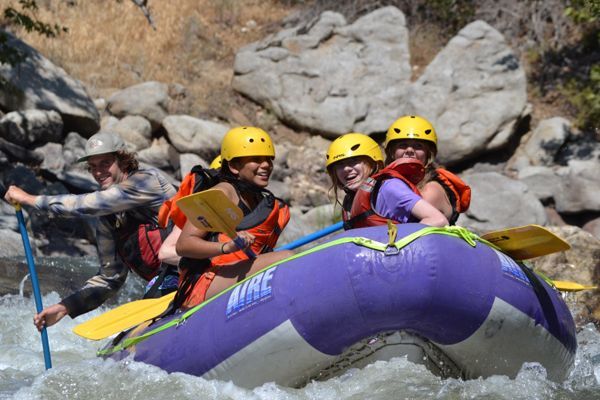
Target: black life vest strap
{"points": [[165, 269], [350, 223]]}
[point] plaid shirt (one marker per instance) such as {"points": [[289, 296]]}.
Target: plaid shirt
{"points": [[143, 188]]}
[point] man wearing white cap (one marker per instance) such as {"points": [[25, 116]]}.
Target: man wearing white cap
{"points": [[128, 201]]}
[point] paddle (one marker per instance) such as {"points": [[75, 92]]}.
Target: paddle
{"points": [[34, 282], [211, 210], [311, 237], [135, 312], [525, 242], [567, 286], [123, 317]]}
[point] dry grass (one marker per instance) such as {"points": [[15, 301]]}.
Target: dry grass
{"points": [[110, 44], [425, 41]]}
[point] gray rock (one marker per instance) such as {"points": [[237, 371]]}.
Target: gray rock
{"points": [[499, 202], [312, 221], [593, 227], [580, 186], [36, 83], [73, 148], [305, 193], [136, 131], [77, 177], [53, 157], [19, 153], [160, 154], [31, 126], [543, 182], [193, 135], [473, 92], [108, 122], [329, 76], [546, 140], [149, 100], [187, 161], [8, 219], [60, 275]]}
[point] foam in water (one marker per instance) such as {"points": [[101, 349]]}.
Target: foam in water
{"points": [[77, 373]]}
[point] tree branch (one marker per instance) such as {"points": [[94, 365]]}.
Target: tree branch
{"points": [[143, 5]]}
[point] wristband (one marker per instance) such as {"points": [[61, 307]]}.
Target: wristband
{"points": [[223, 248]]}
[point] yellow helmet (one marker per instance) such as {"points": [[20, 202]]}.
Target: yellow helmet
{"points": [[411, 127], [216, 163], [246, 141], [353, 145]]}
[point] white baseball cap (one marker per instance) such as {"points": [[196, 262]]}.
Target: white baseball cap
{"points": [[102, 143]]}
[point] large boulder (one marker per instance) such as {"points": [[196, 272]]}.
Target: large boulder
{"points": [[149, 100], [193, 135], [580, 186], [329, 76], [499, 202], [27, 127], [473, 92], [135, 130], [36, 83]]}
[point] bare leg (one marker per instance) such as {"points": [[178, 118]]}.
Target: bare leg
{"points": [[231, 274]]}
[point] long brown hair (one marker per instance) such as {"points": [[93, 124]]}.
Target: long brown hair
{"points": [[127, 161]]}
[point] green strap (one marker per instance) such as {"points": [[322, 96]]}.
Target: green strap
{"points": [[455, 231]]}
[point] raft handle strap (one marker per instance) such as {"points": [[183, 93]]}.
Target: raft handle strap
{"points": [[456, 231]]}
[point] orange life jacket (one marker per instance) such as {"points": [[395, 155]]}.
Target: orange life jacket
{"points": [[358, 209], [265, 222], [196, 180], [458, 192]]}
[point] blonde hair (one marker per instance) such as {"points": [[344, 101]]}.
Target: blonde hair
{"points": [[336, 184]]}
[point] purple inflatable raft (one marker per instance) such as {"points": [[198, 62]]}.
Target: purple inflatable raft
{"points": [[437, 296]]}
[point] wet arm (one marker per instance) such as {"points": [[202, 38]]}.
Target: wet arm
{"points": [[141, 189], [428, 214], [435, 195], [192, 244], [105, 283]]}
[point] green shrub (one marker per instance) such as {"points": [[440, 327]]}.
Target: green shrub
{"points": [[584, 94]]}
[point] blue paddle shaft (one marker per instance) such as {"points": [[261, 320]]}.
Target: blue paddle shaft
{"points": [[313, 236], [239, 242], [35, 284]]}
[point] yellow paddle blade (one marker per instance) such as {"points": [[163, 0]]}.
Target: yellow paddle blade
{"points": [[567, 286], [211, 210], [123, 317], [527, 241]]}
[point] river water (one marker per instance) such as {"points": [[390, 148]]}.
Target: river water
{"points": [[78, 374]]}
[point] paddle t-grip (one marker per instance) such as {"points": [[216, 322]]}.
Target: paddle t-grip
{"points": [[239, 242]]}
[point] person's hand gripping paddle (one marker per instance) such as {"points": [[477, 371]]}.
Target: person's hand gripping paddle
{"points": [[211, 210]]}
